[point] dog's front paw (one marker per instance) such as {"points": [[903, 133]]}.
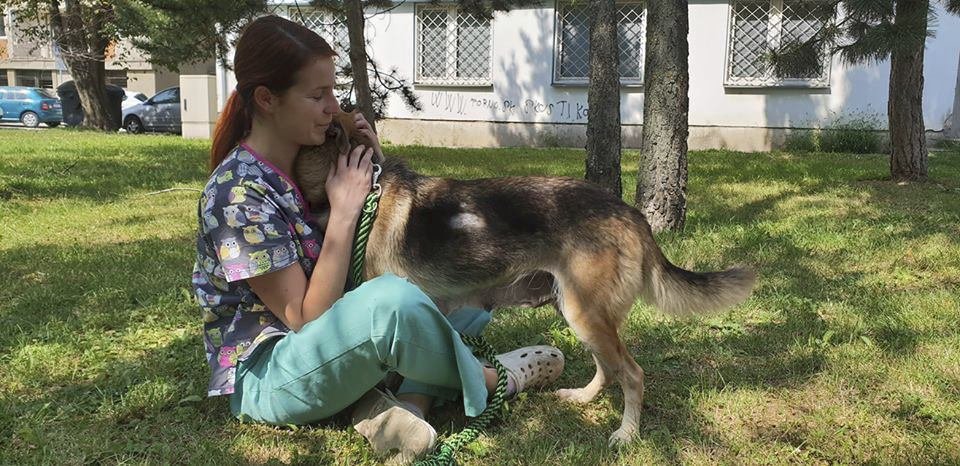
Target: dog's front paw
{"points": [[621, 437], [574, 395]]}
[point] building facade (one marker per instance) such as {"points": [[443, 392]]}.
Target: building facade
{"points": [[25, 62], [520, 78]]}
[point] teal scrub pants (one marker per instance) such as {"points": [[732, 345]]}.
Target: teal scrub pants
{"points": [[386, 324]]}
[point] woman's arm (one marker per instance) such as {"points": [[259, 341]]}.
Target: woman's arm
{"points": [[287, 292]]}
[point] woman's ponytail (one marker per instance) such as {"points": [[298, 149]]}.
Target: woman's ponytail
{"points": [[233, 124]]}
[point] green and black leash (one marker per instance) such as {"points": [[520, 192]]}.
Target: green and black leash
{"points": [[443, 455]]}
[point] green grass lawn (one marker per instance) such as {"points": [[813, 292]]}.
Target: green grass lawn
{"points": [[848, 351]]}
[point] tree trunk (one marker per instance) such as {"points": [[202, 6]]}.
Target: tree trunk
{"points": [[358, 60], [90, 79], [908, 157], [662, 175], [603, 99], [78, 31]]}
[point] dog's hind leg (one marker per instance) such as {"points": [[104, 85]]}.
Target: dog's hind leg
{"points": [[597, 329], [630, 375]]}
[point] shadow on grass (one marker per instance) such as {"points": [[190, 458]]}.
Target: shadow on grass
{"points": [[916, 212], [94, 288], [130, 408], [103, 177], [139, 410], [786, 352]]}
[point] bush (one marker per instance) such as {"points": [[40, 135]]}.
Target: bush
{"points": [[857, 133], [801, 140], [948, 144]]}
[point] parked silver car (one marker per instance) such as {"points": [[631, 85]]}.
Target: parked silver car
{"points": [[159, 113]]}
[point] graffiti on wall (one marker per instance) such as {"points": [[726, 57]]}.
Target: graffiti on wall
{"points": [[462, 104]]}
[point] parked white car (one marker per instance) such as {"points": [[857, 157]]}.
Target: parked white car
{"points": [[131, 98], [158, 113]]}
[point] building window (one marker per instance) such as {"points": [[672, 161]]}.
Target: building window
{"points": [[759, 26], [571, 62], [3, 24], [3, 78], [453, 48], [332, 29], [35, 78], [117, 77]]}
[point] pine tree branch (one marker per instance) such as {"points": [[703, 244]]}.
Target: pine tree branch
{"points": [[953, 6]]}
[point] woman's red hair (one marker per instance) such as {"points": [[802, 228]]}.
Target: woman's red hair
{"points": [[270, 52]]}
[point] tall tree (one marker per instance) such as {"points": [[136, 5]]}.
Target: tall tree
{"points": [[603, 99], [362, 83], [872, 31], [356, 24], [662, 175], [79, 29], [908, 140], [171, 32]]}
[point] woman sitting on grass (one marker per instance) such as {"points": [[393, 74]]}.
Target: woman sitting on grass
{"points": [[282, 340]]}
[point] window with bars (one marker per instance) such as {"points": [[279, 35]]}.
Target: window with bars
{"points": [[572, 42], [330, 27], [758, 26], [452, 47]]}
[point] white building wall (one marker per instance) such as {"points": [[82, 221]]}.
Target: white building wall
{"points": [[522, 106]]}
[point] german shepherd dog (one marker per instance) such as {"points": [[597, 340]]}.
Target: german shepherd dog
{"points": [[527, 241]]}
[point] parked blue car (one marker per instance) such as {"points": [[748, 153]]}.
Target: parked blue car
{"points": [[30, 105]]}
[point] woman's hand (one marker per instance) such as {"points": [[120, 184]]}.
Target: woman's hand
{"points": [[363, 126], [349, 182]]}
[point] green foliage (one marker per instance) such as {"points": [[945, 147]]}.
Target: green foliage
{"points": [[171, 32], [948, 145], [184, 31], [801, 140], [867, 32], [856, 133]]}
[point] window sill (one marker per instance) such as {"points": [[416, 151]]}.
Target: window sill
{"points": [[452, 84], [779, 85], [631, 85]]}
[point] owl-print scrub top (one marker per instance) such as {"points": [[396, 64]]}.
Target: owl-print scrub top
{"points": [[252, 221]]}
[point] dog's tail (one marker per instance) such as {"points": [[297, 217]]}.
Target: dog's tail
{"points": [[680, 292]]}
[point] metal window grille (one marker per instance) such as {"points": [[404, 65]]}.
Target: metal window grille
{"points": [[330, 27], [453, 47], [759, 26], [572, 46]]}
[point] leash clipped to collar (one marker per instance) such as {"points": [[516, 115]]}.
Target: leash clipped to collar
{"points": [[443, 455], [364, 226]]}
